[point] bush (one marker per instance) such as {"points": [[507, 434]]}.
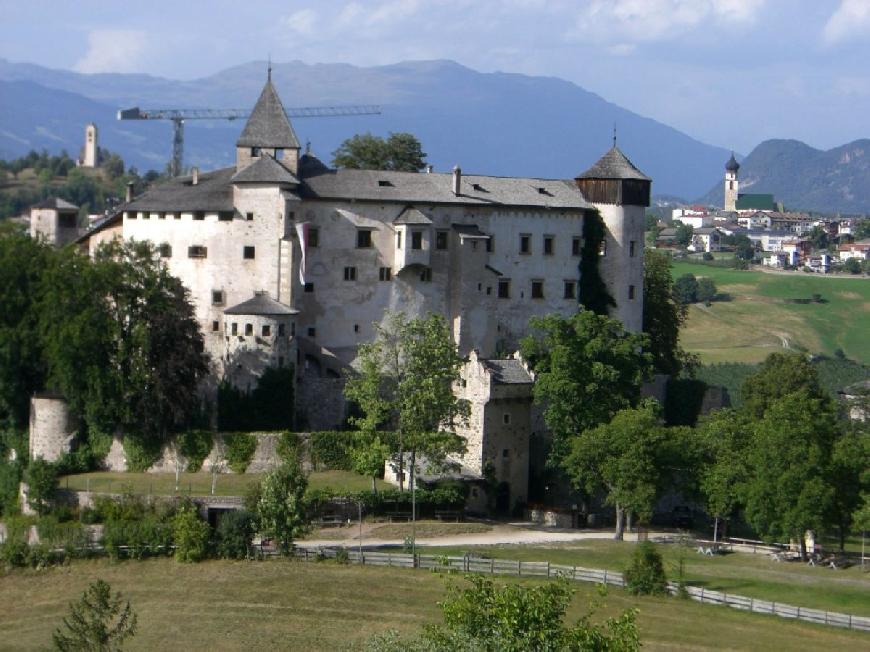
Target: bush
{"points": [[41, 478], [137, 539], [707, 256], [685, 289], [234, 533], [141, 453], [10, 476], [646, 574], [195, 445], [191, 535], [706, 290], [288, 446], [240, 447], [331, 450]]}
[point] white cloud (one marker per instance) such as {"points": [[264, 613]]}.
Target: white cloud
{"points": [[113, 50], [302, 22], [851, 19]]}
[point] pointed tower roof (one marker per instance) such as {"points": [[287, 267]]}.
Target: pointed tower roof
{"points": [[613, 165], [732, 165], [268, 125], [265, 170]]}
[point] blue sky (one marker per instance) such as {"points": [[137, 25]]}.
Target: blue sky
{"points": [[728, 72]]}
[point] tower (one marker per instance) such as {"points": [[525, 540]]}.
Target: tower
{"points": [[621, 193], [731, 183], [268, 131], [89, 153]]}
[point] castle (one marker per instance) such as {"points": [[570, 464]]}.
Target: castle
{"points": [[289, 261]]}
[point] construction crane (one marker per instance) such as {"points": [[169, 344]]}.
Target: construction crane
{"points": [[178, 117]]}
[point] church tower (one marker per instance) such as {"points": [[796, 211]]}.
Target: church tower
{"points": [[621, 194], [731, 183], [90, 151], [268, 131]]}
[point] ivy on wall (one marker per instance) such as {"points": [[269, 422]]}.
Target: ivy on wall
{"points": [[593, 291], [269, 406], [239, 450]]}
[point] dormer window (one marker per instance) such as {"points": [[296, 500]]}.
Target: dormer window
{"points": [[255, 151], [279, 153]]}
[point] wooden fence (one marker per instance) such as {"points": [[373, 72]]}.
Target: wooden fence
{"points": [[516, 568]]}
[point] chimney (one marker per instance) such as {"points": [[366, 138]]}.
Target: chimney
{"points": [[129, 195], [457, 180], [194, 176]]}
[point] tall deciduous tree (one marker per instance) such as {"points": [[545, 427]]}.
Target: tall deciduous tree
{"points": [[588, 367], [663, 316], [281, 506], [779, 375], [399, 151]]}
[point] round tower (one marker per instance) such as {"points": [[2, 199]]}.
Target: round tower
{"points": [[621, 193], [90, 154], [732, 167]]}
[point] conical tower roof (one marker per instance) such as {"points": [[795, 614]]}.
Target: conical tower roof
{"points": [[268, 125], [732, 165], [613, 165]]}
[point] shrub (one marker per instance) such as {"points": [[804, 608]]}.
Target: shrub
{"points": [[41, 478], [685, 289], [234, 533], [137, 539], [706, 290], [645, 574], [707, 256], [10, 476], [191, 535], [341, 556], [331, 450], [195, 445], [141, 453], [240, 447], [288, 446]]}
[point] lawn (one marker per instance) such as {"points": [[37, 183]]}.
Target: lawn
{"points": [[757, 320], [427, 529], [198, 484], [222, 605], [756, 576]]}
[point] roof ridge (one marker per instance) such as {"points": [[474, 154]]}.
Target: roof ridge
{"points": [[268, 125]]}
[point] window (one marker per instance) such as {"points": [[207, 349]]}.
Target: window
{"points": [[441, 240], [313, 237], [570, 289], [176, 216], [384, 183], [165, 250], [356, 328], [217, 297], [548, 245], [312, 332], [199, 215], [416, 239], [350, 273], [490, 244], [248, 253], [146, 215], [280, 330], [398, 239], [249, 217], [249, 329], [385, 274], [426, 275], [131, 215], [197, 251], [525, 243], [504, 288], [235, 329], [576, 245], [631, 248], [215, 326], [161, 216], [279, 153], [506, 418], [363, 239], [255, 151], [309, 287], [266, 330], [537, 289], [226, 216], [631, 293], [505, 453], [602, 248]]}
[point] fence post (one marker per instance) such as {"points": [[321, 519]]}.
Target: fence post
{"points": [[574, 576], [519, 567], [605, 576], [492, 566], [702, 595], [548, 568], [798, 613]]}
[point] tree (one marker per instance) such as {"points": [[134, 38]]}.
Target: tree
{"points": [[405, 382], [234, 533], [789, 488], [683, 233], [628, 458], [852, 265], [281, 507], [515, 618], [850, 472], [779, 375], [706, 290], [400, 151], [819, 238], [744, 249], [645, 574], [588, 367], [191, 535], [663, 316], [98, 622], [686, 289], [41, 479]]}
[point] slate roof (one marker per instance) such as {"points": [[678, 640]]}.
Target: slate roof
{"points": [[260, 304], [56, 203], [508, 372], [433, 188], [471, 230], [265, 170], [614, 165], [213, 192], [268, 125], [412, 215], [732, 165]]}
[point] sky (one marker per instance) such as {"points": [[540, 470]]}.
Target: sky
{"points": [[727, 72]]}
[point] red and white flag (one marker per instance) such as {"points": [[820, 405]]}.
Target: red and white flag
{"points": [[302, 234]]}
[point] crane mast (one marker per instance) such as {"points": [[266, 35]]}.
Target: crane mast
{"points": [[179, 116]]}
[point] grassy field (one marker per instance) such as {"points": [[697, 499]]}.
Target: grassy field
{"points": [[756, 576], [426, 529], [198, 484], [223, 605], [758, 321]]}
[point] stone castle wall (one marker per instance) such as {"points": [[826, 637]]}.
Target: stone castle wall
{"points": [[52, 428]]}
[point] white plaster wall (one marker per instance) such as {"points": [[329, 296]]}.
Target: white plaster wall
{"points": [[618, 267]]}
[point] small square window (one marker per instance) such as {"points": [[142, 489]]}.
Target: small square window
{"points": [[249, 217], [356, 328], [146, 215], [235, 329], [215, 326], [266, 331], [441, 240], [525, 244], [199, 215], [363, 239], [197, 251], [506, 418], [255, 151], [416, 239], [280, 330], [385, 274], [217, 297], [576, 245], [131, 215], [249, 329], [226, 216], [631, 249], [176, 216], [505, 452], [548, 245], [161, 216], [249, 253], [309, 287], [426, 275], [165, 250], [504, 288], [631, 293], [537, 289], [602, 248], [312, 332], [398, 239], [570, 289], [313, 237], [350, 273]]}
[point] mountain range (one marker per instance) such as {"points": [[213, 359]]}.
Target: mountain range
{"points": [[501, 124]]}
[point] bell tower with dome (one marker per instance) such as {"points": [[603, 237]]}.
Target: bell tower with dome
{"points": [[732, 167]]}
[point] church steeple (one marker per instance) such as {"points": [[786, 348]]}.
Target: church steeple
{"points": [[732, 185], [268, 131]]}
